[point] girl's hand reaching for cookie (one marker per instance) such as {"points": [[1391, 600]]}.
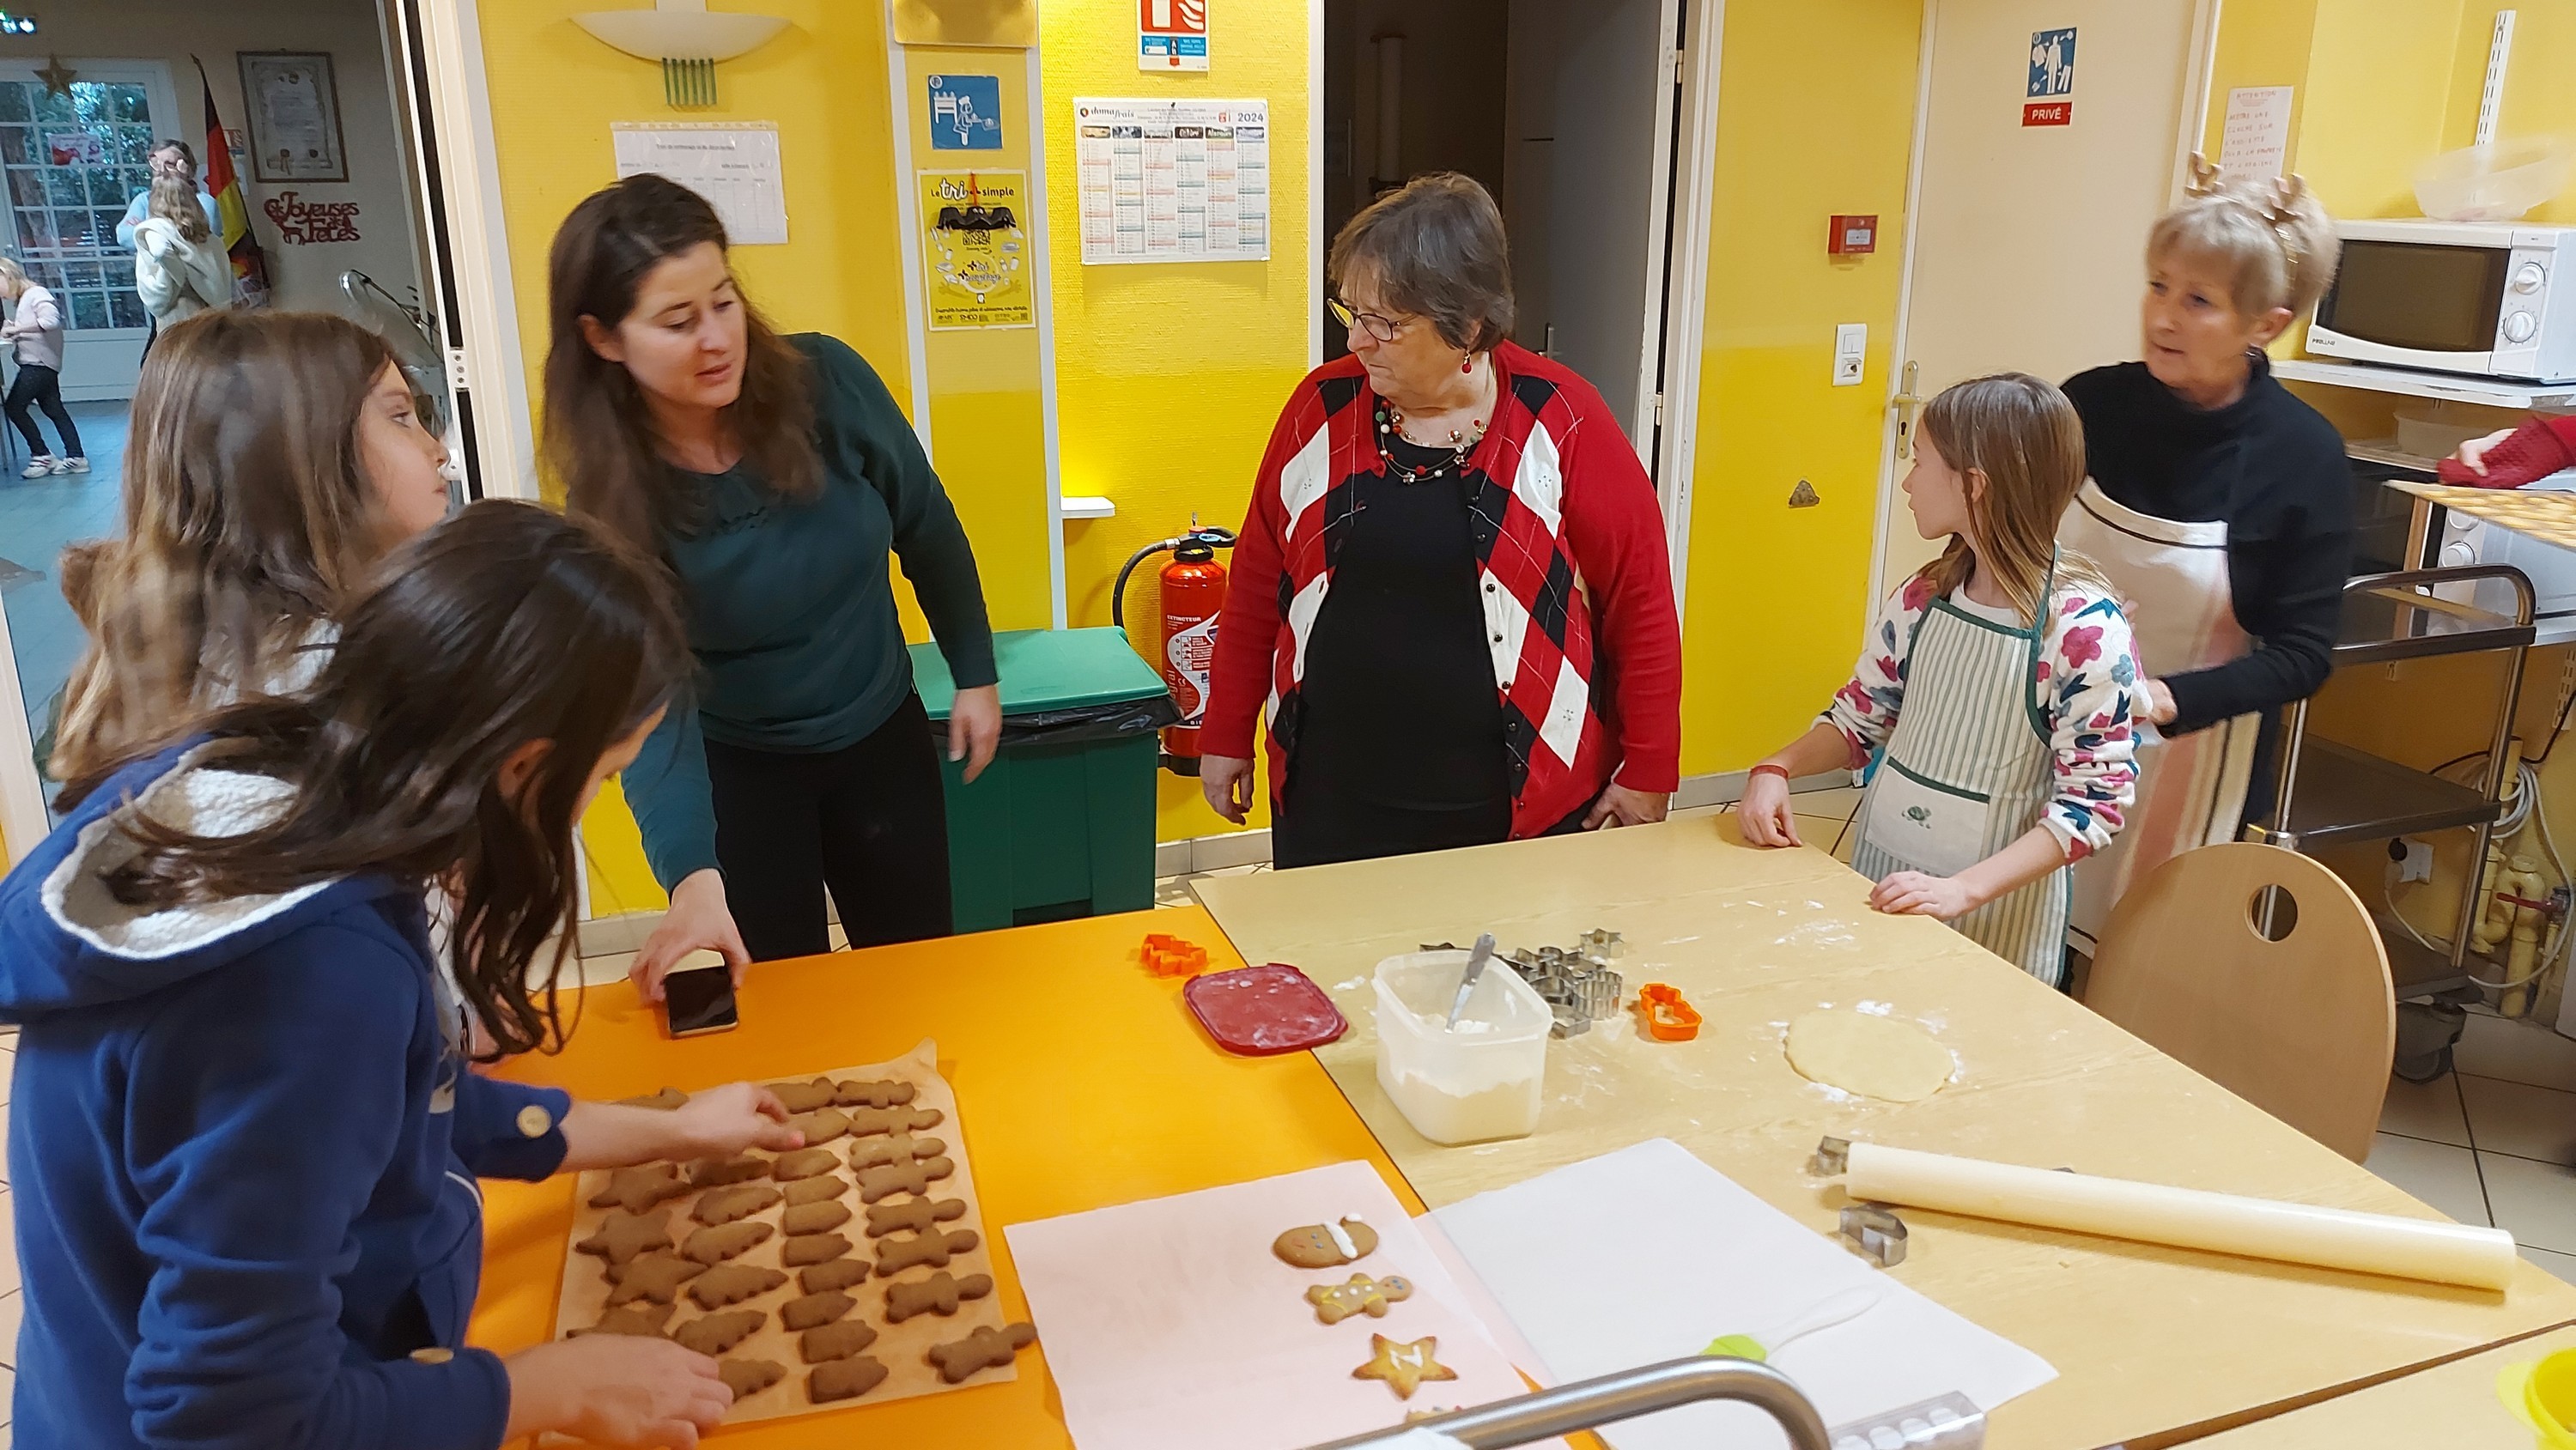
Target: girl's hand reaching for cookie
{"points": [[616, 1390], [722, 1122]]}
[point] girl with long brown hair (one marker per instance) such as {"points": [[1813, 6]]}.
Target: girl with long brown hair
{"points": [[245, 1141], [780, 482], [1996, 689]]}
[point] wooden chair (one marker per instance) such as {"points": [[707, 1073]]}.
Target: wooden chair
{"points": [[2303, 1026]]}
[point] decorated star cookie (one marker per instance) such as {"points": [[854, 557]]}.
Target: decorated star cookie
{"points": [[1404, 1365], [1358, 1294]]}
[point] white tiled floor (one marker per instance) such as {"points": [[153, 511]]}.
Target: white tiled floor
{"points": [[2493, 1143]]}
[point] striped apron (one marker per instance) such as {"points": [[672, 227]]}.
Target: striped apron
{"points": [[2172, 583], [1966, 772]]}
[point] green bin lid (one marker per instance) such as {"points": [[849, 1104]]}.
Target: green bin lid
{"points": [[1047, 669]]}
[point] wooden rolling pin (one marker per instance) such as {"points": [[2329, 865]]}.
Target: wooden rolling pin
{"points": [[2191, 1218]]}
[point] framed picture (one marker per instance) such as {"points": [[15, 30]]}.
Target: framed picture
{"points": [[294, 108]]}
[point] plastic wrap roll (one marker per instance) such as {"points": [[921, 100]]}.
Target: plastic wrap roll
{"points": [[2191, 1218]]}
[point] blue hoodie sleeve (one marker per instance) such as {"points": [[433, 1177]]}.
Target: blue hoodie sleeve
{"points": [[674, 805], [263, 1103], [507, 1129]]}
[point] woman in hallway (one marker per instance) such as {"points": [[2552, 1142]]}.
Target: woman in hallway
{"points": [[1452, 588], [35, 333], [2220, 507], [178, 269], [778, 479]]}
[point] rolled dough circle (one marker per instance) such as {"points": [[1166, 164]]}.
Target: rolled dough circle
{"points": [[1877, 1057]]}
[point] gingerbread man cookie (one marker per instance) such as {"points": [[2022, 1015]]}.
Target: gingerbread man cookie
{"points": [[876, 1122], [643, 1321], [728, 1205], [624, 1236], [835, 1341], [930, 1249], [833, 1274], [1326, 1245], [821, 1125], [637, 1189], [804, 1163], [719, 1172], [815, 1218], [914, 1214], [804, 1097], [982, 1350], [903, 1148], [656, 1277], [938, 1294], [812, 1249], [717, 1333], [894, 1178], [873, 1094], [844, 1379], [733, 1283], [713, 1246], [814, 1190], [1404, 1365], [815, 1310], [748, 1377], [1358, 1294]]}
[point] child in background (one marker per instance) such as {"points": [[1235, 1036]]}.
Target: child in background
{"points": [[1999, 682], [244, 1150], [35, 334]]}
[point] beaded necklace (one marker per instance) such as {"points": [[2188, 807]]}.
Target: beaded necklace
{"points": [[1390, 423]]}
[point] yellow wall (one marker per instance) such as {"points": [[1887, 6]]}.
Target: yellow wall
{"points": [[1777, 596]]}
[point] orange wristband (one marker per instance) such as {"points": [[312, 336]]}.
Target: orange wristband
{"points": [[1767, 768]]}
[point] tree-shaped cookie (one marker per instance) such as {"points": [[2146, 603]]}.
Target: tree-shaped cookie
{"points": [[716, 1333], [835, 1341], [832, 1274], [748, 1377], [728, 1205], [844, 1379], [623, 1236], [732, 1283], [814, 1190], [726, 1241], [804, 1163], [812, 1249], [637, 1189], [815, 1310], [644, 1321], [655, 1278], [718, 1172], [815, 1218]]}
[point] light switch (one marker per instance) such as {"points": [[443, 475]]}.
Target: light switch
{"points": [[1851, 345]]}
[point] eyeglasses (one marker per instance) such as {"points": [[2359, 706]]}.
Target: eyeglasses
{"points": [[1383, 329]]}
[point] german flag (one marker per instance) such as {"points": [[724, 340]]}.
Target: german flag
{"points": [[250, 268]]}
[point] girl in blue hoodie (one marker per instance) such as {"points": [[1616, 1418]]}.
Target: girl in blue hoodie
{"points": [[245, 1138]]}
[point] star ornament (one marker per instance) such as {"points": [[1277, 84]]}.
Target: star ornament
{"points": [[57, 76], [1404, 1366]]}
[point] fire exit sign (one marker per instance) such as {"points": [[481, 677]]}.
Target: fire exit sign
{"points": [[1171, 35]]}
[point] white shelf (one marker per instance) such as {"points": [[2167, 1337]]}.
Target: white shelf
{"points": [[2490, 392], [1087, 506]]}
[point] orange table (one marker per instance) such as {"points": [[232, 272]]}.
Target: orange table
{"points": [[1082, 1081]]}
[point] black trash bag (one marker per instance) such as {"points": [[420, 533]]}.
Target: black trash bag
{"points": [[1081, 723]]}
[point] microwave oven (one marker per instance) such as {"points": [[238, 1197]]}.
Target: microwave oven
{"points": [[2490, 299]]}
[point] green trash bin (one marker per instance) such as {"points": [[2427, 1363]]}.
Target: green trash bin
{"points": [[1061, 824]]}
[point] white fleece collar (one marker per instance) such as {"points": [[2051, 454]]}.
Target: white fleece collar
{"points": [[203, 802]]}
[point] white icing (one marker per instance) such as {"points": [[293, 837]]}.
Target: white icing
{"points": [[1342, 1241]]}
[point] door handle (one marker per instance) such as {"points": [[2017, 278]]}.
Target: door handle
{"points": [[1907, 406]]}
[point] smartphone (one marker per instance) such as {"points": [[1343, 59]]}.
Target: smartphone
{"points": [[698, 1001]]}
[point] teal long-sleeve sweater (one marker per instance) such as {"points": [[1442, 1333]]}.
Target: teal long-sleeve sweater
{"points": [[791, 606]]}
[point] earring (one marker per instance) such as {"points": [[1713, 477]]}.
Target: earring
{"points": [[1469, 365]]}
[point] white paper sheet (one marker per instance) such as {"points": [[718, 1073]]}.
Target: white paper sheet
{"points": [[734, 165], [1647, 1254], [2256, 138], [1170, 1325]]}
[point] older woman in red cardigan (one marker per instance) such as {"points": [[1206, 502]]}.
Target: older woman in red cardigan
{"points": [[1451, 600]]}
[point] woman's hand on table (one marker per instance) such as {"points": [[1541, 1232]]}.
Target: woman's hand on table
{"points": [[698, 921], [1918, 893], [1226, 780], [1764, 814], [975, 727], [615, 1389], [2473, 453], [1620, 806]]}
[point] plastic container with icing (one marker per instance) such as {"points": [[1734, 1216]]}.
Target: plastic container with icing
{"points": [[1477, 1082]]}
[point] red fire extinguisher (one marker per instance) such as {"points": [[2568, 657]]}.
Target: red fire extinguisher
{"points": [[1193, 593]]}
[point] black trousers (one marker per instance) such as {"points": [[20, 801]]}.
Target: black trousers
{"points": [[868, 821], [42, 386]]}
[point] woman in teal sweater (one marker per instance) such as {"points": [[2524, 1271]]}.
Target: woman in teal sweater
{"points": [[778, 479]]}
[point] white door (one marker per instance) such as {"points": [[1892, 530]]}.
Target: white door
{"points": [[1589, 109], [2027, 249]]}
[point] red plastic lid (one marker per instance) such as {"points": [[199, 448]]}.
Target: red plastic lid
{"points": [[1264, 1011]]}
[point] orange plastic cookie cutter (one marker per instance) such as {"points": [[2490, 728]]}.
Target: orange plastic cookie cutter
{"points": [[1669, 1018], [1171, 956]]}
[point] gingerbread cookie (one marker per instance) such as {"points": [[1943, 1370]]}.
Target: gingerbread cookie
{"points": [[804, 1097], [718, 1172], [717, 1333], [894, 1178], [876, 1122], [812, 1249], [930, 1249], [904, 1148], [938, 1294], [667, 1100], [982, 1350], [873, 1094], [1403, 1365], [815, 1310], [713, 1246], [748, 1377], [814, 1190], [833, 1274], [643, 1321], [728, 1205], [733, 1283], [821, 1125], [1325, 1245], [637, 1189], [815, 1218], [844, 1379], [914, 1214], [835, 1341], [623, 1236], [804, 1163], [1358, 1294], [656, 1277]]}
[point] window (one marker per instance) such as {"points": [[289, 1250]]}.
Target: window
{"points": [[72, 163]]}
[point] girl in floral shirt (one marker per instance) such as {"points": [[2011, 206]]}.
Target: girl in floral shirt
{"points": [[1999, 683]]}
